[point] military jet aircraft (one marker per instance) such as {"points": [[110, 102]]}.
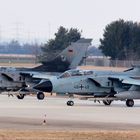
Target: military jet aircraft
{"points": [[96, 85], [69, 58], [9, 81]]}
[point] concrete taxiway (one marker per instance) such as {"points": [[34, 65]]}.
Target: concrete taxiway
{"points": [[30, 113]]}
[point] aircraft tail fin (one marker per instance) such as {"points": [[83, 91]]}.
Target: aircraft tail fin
{"points": [[69, 58], [76, 52]]}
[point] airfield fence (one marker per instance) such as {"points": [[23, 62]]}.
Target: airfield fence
{"points": [[93, 60], [111, 63], [15, 58]]}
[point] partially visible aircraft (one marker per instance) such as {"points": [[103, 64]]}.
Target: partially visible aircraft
{"points": [[69, 58], [96, 85], [9, 81]]}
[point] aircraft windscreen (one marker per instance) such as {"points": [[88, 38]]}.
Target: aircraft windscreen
{"points": [[71, 73], [64, 75]]}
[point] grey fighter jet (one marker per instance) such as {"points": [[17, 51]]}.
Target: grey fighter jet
{"points": [[97, 85]]}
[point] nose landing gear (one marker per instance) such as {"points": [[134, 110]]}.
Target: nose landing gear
{"points": [[70, 103]]}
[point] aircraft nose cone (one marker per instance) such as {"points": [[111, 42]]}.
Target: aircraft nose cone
{"points": [[45, 86]]}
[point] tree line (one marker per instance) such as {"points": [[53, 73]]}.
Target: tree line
{"points": [[121, 40], [15, 47]]}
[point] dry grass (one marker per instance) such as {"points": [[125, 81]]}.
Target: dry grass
{"points": [[102, 68], [25, 65], [31, 65], [69, 135]]}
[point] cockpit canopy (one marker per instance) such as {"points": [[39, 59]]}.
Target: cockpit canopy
{"points": [[75, 72]]}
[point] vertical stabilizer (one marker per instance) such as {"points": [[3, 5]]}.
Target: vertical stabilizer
{"points": [[69, 58]]}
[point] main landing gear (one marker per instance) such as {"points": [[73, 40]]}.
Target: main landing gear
{"points": [[129, 103], [70, 103], [20, 96], [40, 96], [107, 102]]}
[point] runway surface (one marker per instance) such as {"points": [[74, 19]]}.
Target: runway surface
{"points": [[29, 114]]}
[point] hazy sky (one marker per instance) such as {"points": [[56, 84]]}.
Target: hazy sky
{"points": [[40, 19]]}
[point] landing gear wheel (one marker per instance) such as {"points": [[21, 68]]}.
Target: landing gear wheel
{"points": [[40, 95], [107, 102], [129, 103], [20, 96], [70, 103]]}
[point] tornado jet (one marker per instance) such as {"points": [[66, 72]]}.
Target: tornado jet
{"points": [[96, 85]]}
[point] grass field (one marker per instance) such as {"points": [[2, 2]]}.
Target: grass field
{"points": [[102, 68], [27, 65], [69, 135]]}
